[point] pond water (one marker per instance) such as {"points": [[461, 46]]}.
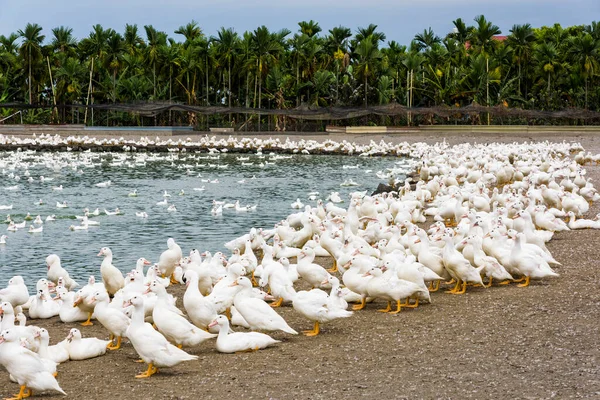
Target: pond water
{"points": [[271, 183]]}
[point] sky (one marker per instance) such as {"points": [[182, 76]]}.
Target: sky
{"points": [[400, 20]]}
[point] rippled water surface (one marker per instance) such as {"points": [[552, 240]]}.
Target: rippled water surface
{"points": [[272, 186]]}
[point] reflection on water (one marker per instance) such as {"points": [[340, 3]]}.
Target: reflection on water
{"points": [[273, 187]]}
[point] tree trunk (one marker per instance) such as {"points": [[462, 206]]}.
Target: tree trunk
{"points": [[520, 94], [248, 89], [548, 88], [297, 82], [29, 82], [586, 92], [366, 90], [229, 83], [207, 103], [259, 92], [89, 92]]}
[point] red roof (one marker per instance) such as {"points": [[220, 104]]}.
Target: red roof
{"points": [[498, 38]]}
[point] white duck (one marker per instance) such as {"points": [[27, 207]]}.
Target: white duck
{"points": [[392, 289], [257, 313], [69, 312], [83, 298], [312, 273], [200, 310], [56, 271], [318, 306], [25, 366], [43, 307], [169, 259], [150, 344], [172, 325], [57, 353], [113, 319], [83, 348], [8, 322], [578, 223], [459, 267], [298, 205], [528, 263], [16, 292], [239, 341], [111, 276]]}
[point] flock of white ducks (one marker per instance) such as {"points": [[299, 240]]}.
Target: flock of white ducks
{"points": [[494, 207]]}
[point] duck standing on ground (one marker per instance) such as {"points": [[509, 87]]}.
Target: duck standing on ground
{"points": [[150, 344], [25, 366], [169, 259], [113, 319], [111, 276]]}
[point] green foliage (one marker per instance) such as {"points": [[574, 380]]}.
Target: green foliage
{"points": [[548, 67]]}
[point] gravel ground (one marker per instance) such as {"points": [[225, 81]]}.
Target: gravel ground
{"points": [[503, 342]]}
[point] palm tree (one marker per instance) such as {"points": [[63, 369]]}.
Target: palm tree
{"points": [[170, 58], [132, 39], [70, 78], [461, 32], [585, 51], [188, 63], [337, 40], [297, 44], [63, 40], [395, 54], [547, 57], [31, 48], [385, 89], [154, 39], [370, 31], [482, 36], [226, 46], [113, 58], [266, 47], [310, 28], [521, 40], [201, 50], [412, 62], [191, 31], [427, 39], [368, 56]]}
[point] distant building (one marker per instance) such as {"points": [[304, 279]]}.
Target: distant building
{"points": [[498, 38]]}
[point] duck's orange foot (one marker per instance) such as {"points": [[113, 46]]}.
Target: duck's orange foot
{"points": [[149, 372], [524, 284], [398, 308], [407, 304], [314, 331], [23, 394], [387, 309], [277, 303]]}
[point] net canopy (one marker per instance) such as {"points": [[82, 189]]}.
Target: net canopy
{"points": [[152, 109]]}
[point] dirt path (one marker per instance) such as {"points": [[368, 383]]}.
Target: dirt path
{"points": [[504, 342]]}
